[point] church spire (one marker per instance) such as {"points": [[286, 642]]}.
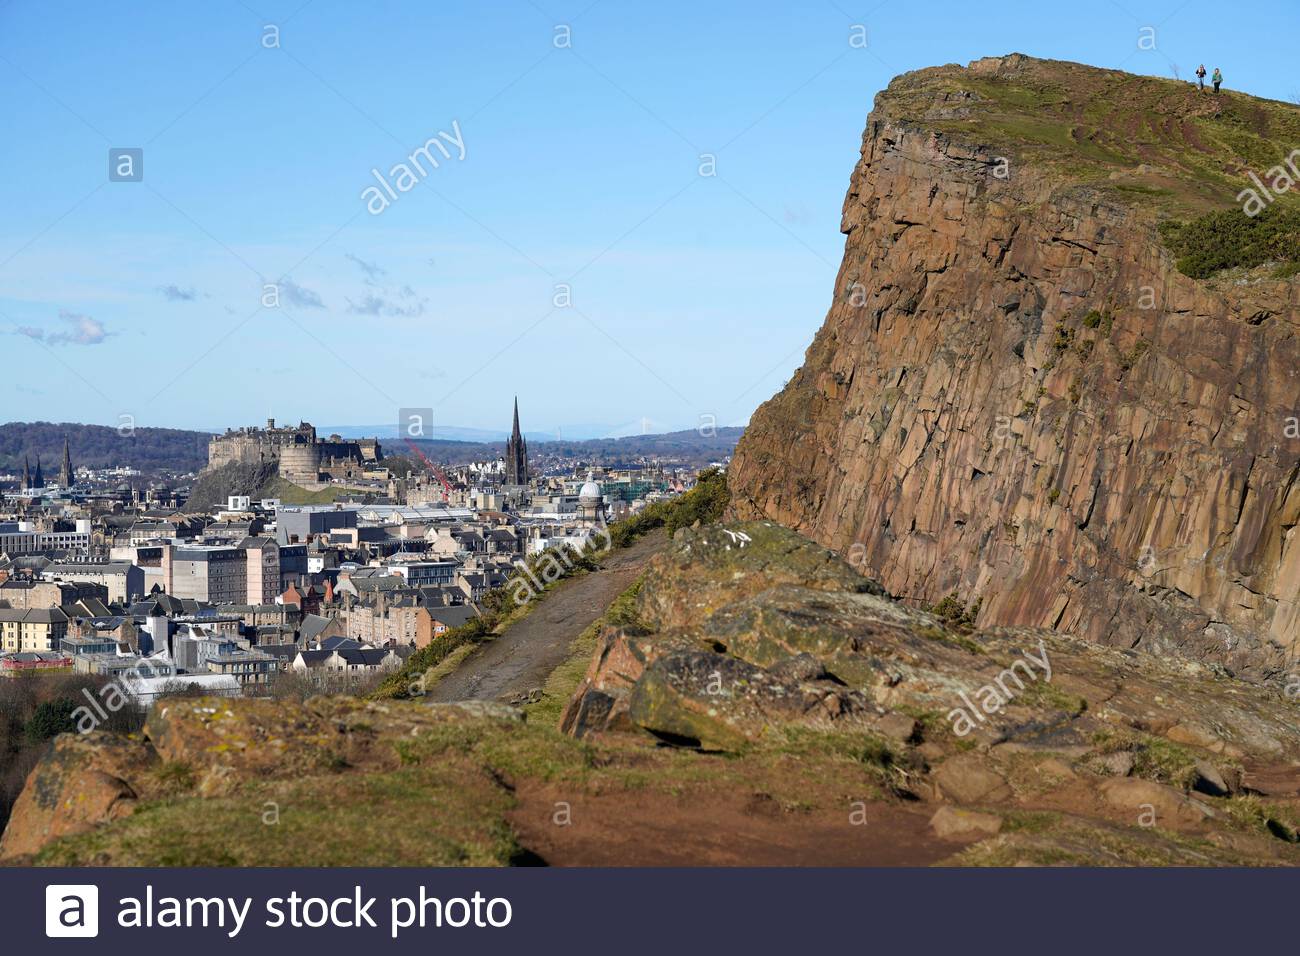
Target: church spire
{"points": [[27, 473], [516, 453], [65, 472]]}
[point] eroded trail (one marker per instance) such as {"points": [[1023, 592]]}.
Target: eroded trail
{"points": [[522, 657], [719, 827]]}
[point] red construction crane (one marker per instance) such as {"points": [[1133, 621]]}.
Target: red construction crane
{"points": [[446, 485]]}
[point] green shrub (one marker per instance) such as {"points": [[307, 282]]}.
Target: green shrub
{"points": [[952, 611], [1131, 358], [704, 503], [1231, 239], [51, 718], [399, 683], [1064, 338]]}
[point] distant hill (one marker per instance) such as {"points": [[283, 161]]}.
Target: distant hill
{"points": [[97, 446], [688, 444], [570, 432], [691, 446]]}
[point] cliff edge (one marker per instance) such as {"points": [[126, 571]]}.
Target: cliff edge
{"points": [[1020, 394]]}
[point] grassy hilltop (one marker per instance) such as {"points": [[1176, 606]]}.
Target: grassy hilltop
{"points": [[1153, 143]]}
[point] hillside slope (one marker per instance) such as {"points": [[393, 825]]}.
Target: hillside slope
{"points": [[98, 446], [1017, 397]]}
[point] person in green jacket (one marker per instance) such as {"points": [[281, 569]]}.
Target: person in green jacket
{"points": [[1217, 79]]}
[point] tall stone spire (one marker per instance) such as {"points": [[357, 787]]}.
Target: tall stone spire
{"points": [[65, 472], [27, 473], [39, 480], [516, 454]]}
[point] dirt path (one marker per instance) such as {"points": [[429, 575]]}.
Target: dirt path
{"points": [[709, 828], [520, 659]]}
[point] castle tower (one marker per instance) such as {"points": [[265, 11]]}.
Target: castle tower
{"points": [[516, 454], [65, 472]]}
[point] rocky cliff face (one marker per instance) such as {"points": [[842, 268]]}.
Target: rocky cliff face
{"points": [[1018, 398]]}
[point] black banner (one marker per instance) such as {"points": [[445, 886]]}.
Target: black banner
{"points": [[641, 911]]}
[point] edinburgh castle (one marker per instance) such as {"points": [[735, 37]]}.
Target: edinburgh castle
{"points": [[301, 456]]}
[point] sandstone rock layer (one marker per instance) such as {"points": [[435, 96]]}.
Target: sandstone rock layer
{"points": [[1018, 398]]}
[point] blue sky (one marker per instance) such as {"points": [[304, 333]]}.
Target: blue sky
{"points": [[691, 296]]}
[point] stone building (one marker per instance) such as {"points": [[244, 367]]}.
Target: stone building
{"points": [[300, 455], [38, 629]]}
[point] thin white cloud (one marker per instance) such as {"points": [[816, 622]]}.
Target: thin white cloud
{"points": [[85, 330], [300, 295], [82, 330], [384, 303], [175, 293]]}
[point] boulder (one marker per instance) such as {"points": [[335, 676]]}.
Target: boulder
{"points": [[965, 779], [897, 727], [1193, 734], [81, 782], [1208, 780], [952, 823], [1153, 804], [483, 709], [600, 702], [710, 700], [800, 667], [221, 741], [1118, 764], [856, 636]]}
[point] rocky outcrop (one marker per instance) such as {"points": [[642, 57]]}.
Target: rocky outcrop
{"points": [[795, 637], [1017, 398], [721, 702], [216, 484], [217, 749], [82, 782], [748, 638]]}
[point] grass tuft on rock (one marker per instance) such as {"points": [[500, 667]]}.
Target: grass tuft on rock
{"points": [[1154, 758]]}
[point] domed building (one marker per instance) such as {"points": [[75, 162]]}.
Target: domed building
{"points": [[591, 501]]}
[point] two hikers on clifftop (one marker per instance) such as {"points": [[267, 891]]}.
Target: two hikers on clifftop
{"points": [[1216, 79]]}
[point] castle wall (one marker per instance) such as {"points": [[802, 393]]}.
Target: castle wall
{"points": [[301, 456]]}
